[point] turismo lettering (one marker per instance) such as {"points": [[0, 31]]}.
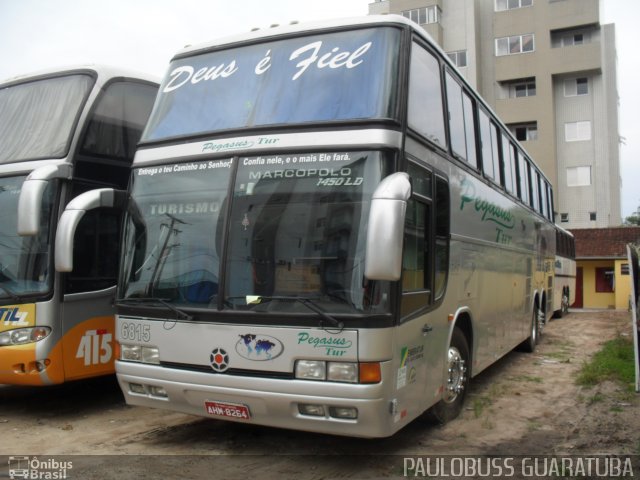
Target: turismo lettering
{"points": [[188, 208]]}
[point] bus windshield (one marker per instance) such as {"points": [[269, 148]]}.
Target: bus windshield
{"points": [[297, 229], [24, 261], [38, 117], [319, 78]]}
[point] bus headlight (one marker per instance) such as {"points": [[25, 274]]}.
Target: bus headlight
{"points": [[311, 369], [20, 336], [346, 372], [139, 353], [342, 372]]}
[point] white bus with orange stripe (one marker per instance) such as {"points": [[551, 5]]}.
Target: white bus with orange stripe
{"points": [[62, 133]]}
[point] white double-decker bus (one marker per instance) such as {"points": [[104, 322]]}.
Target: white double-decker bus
{"points": [[327, 230], [62, 133], [564, 283]]}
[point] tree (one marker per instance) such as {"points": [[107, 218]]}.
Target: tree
{"points": [[632, 220]]}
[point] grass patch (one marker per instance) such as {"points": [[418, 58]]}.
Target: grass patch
{"points": [[597, 398], [533, 425], [479, 404], [527, 378], [614, 362]]}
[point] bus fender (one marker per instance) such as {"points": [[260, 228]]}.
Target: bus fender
{"points": [[464, 320]]}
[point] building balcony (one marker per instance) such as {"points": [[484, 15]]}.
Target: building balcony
{"points": [[572, 13], [553, 61], [575, 58]]}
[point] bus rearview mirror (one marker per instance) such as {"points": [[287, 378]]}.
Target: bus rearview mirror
{"points": [[385, 231], [31, 193], [72, 215]]}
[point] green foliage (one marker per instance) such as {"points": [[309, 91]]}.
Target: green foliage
{"points": [[614, 362], [632, 220]]}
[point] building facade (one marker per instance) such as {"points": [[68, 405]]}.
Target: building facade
{"points": [[603, 274], [548, 69]]}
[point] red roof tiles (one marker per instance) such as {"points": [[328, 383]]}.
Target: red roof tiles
{"points": [[605, 242]]}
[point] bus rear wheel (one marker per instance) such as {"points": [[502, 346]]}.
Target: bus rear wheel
{"points": [[457, 379], [565, 302], [529, 345]]}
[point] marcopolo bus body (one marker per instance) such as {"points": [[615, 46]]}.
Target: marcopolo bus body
{"points": [[62, 133], [309, 244]]}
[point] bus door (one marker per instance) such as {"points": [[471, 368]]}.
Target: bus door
{"points": [[89, 296], [423, 333], [103, 159]]}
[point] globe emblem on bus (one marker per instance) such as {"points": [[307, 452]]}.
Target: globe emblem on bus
{"points": [[219, 360]]}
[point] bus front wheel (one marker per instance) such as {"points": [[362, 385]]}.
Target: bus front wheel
{"points": [[450, 406]]}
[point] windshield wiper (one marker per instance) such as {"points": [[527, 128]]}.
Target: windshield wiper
{"points": [[180, 314], [10, 294], [306, 301]]}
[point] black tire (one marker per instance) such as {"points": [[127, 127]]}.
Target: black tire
{"points": [[529, 345], [450, 406]]}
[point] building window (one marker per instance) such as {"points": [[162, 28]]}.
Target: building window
{"points": [[424, 15], [525, 131], [459, 58], [605, 280], [576, 86], [592, 216], [514, 44], [577, 131], [522, 87], [624, 269], [564, 217], [569, 38], [511, 4], [573, 39], [578, 176]]}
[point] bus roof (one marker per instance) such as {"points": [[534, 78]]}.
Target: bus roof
{"points": [[102, 72], [260, 35], [292, 28]]}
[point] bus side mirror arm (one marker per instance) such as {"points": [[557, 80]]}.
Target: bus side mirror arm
{"points": [[30, 200], [72, 215], [385, 231]]}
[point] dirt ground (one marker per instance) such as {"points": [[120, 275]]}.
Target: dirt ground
{"points": [[526, 404]]}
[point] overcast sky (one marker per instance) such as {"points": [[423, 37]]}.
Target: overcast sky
{"points": [[145, 34]]}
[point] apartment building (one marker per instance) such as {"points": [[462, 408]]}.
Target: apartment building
{"points": [[548, 68]]}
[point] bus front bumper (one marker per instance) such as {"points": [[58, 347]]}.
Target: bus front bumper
{"points": [[324, 407], [22, 365]]}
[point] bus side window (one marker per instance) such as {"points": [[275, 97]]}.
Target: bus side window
{"points": [[442, 237], [113, 132], [426, 114], [425, 260], [461, 121], [523, 177], [416, 259], [489, 145]]}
